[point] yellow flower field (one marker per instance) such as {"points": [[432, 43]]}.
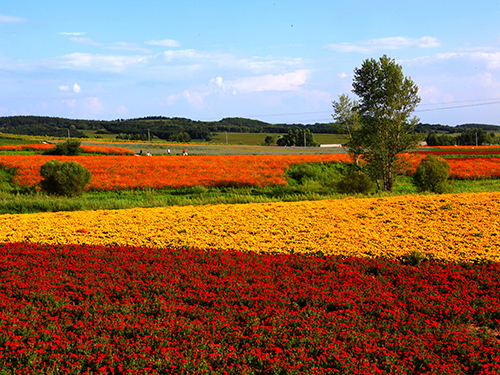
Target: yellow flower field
{"points": [[458, 227]]}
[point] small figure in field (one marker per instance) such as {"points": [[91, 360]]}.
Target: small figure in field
{"points": [[140, 152], [168, 151], [184, 152]]}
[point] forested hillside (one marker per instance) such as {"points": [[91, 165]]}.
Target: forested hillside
{"points": [[176, 128]]}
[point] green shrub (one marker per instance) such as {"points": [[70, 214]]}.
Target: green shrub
{"points": [[355, 182], [324, 173], [64, 178], [302, 172], [432, 175], [6, 177], [69, 148]]}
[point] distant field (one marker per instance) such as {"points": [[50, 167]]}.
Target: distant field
{"points": [[92, 134], [6, 141], [258, 138], [252, 139]]}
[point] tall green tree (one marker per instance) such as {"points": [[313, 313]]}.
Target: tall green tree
{"points": [[347, 121], [386, 101]]}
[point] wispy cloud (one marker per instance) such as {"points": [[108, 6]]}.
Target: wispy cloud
{"points": [[76, 88], [490, 59], [87, 61], [372, 45], [282, 82], [86, 41], [9, 19], [164, 43], [72, 33], [119, 46], [124, 46]]}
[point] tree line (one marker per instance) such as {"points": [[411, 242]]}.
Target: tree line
{"points": [[185, 130]]}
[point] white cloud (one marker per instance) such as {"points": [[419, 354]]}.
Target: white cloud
{"points": [[86, 61], [9, 19], [164, 43], [283, 82], [490, 59], [76, 88], [73, 34], [218, 82], [123, 46], [119, 46], [342, 75], [432, 95], [371, 45], [86, 41]]}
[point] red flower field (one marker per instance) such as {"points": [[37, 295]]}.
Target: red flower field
{"points": [[82, 309]]}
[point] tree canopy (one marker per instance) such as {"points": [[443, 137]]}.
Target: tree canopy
{"points": [[380, 121]]}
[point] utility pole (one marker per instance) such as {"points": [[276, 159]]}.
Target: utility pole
{"points": [[149, 136], [68, 132], [226, 137]]}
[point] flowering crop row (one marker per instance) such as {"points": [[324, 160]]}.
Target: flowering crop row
{"points": [[83, 309], [115, 172], [466, 153], [467, 168], [460, 228], [465, 147], [87, 149], [474, 168]]}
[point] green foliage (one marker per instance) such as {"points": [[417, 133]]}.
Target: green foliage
{"points": [[475, 137], [432, 175], [6, 177], [433, 139], [355, 182], [269, 140], [182, 137], [69, 148], [297, 137], [347, 121], [415, 258], [386, 101], [323, 175], [64, 178]]}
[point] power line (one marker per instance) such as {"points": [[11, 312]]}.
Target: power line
{"points": [[457, 106], [460, 101], [495, 101]]}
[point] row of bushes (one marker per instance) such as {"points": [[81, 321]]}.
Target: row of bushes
{"points": [[431, 175]]}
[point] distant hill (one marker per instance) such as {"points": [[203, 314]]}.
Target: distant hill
{"points": [[446, 129], [168, 127], [140, 128]]}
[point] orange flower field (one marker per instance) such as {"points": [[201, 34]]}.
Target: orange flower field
{"points": [[460, 228], [159, 172], [84, 148]]}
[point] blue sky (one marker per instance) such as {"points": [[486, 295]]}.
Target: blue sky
{"points": [[276, 61]]}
